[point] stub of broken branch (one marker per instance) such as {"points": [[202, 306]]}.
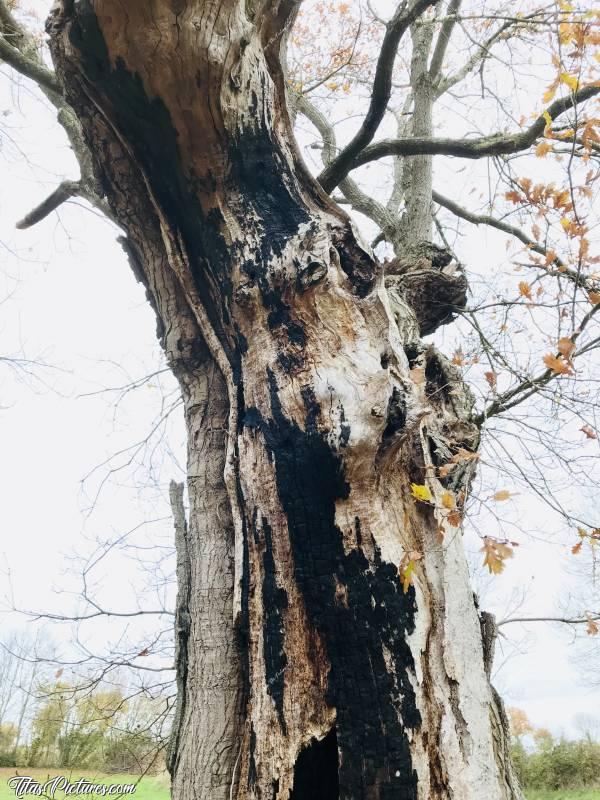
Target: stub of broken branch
{"points": [[61, 194], [434, 288]]}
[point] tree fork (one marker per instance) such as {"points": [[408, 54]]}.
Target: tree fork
{"points": [[320, 410]]}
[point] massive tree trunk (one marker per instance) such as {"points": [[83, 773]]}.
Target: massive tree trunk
{"points": [[309, 665]]}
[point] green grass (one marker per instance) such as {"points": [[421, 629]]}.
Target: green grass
{"points": [[564, 794], [149, 788]]}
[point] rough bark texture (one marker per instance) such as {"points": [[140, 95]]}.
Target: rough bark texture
{"points": [[417, 220], [310, 409]]}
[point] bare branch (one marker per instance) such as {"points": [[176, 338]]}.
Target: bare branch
{"points": [[530, 386], [13, 30], [100, 613], [565, 620], [60, 195], [482, 147], [359, 200], [380, 95], [29, 67], [19, 50], [443, 39], [512, 230], [482, 53]]}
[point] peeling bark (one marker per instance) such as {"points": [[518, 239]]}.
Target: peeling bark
{"points": [[305, 657]]}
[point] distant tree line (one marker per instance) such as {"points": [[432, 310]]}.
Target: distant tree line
{"points": [[46, 721], [75, 728], [543, 761]]}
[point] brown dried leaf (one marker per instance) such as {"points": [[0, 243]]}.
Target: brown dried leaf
{"points": [[446, 469], [557, 365], [492, 379], [566, 347], [525, 290], [454, 518], [589, 431], [464, 455], [543, 147], [495, 554]]}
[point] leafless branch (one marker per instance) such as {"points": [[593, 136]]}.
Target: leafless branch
{"points": [[29, 68], [565, 620], [482, 147], [61, 194], [337, 170], [443, 39], [359, 199]]}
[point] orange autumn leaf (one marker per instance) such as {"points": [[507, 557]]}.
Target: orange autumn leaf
{"points": [[557, 365], [495, 554], [566, 347], [458, 358], [543, 149], [592, 628], [454, 518], [589, 431], [594, 297], [561, 200], [525, 289], [576, 548], [548, 95], [491, 378]]}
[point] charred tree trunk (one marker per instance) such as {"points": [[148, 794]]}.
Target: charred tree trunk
{"points": [[307, 670]]}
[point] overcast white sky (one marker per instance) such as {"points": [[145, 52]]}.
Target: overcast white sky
{"points": [[72, 303]]}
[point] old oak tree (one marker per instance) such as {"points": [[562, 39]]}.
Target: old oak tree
{"points": [[328, 642]]}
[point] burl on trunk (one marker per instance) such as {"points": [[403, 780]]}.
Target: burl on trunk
{"points": [[308, 667]]}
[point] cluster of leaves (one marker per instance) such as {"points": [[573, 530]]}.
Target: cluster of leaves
{"points": [[327, 50], [450, 508]]}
